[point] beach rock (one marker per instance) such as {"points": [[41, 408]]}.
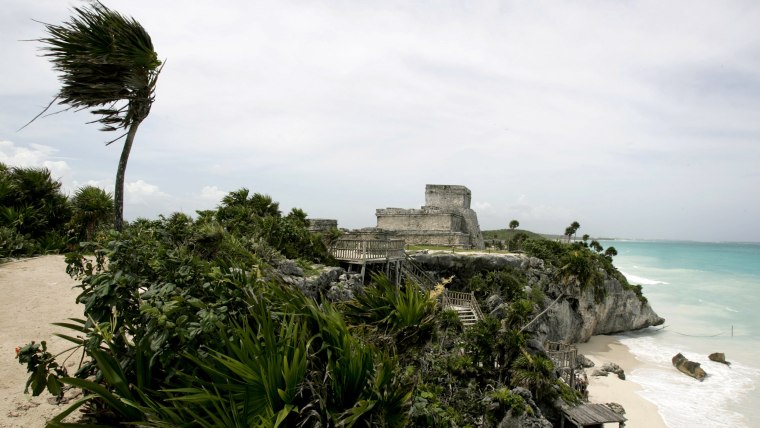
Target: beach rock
{"points": [[598, 373], [614, 368], [689, 367], [584, 362], [615, 407], [719, 357]]}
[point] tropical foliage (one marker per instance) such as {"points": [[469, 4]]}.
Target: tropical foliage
{"points": [[187, 323], [91, 208], [33, 212]]}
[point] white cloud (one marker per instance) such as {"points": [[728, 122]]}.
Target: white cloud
{"points": [[142, 193], [586, 107], [35, 155], [212, 193]]}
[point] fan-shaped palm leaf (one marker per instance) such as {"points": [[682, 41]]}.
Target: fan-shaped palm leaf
{"points": [[106, 63]]}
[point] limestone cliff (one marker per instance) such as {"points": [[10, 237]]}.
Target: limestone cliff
{"points": [[576, 316]]}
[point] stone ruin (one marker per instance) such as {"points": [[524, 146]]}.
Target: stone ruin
{"points": [[446, 219], [322, 224]]}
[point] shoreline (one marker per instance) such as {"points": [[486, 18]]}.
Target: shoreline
{"points": [[639, 411]]}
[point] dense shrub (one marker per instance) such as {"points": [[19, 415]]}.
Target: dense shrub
{"points": [[258, 217], [33, 212], [92, 208]]}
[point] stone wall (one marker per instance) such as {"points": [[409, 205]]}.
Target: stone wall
{"points": [[322, 224], [398, 219], [447, 196]]}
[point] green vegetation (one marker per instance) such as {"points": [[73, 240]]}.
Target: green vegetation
{"points": [[91, 208], [507, 234], [107, 64], [188, 320], [34, 214], [508, 239], [570, 230]]}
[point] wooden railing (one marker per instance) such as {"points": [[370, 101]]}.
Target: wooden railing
{"points": [[411, 269], [565, 359], [458, 298], [359, 249]]}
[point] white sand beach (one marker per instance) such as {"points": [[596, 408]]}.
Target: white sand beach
{"points": [[36, 292], [640, 412]]}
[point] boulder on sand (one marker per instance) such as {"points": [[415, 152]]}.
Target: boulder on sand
{"points": [[719, 357], [689, 367], [614, 368]]}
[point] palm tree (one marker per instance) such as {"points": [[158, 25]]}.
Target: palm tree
{"points": [[106, 63], [570, 230], [536, 373], [514, 224], [92, 206]]}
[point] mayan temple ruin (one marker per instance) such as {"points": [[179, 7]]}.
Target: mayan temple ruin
{"points": [[446, 219]]}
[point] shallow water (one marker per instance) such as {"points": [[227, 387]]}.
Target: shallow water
{"points": [[709, 295]]}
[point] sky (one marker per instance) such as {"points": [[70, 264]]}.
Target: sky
{"points": [[638, 119]]}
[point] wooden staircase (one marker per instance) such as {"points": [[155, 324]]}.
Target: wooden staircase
{"points": [[464, 304], [466, 315], [411, 271]]}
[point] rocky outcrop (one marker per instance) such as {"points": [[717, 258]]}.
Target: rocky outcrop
{"points": [[331, 282], [719, 357], [524, 419], [466, 265], [579, 314], [689, 367], [576, 316]]}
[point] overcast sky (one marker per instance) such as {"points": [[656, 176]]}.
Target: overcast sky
{"points": [[638, 119]]}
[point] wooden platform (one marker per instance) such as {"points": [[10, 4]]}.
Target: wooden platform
{"points": [[591, 415], [360, 251]]}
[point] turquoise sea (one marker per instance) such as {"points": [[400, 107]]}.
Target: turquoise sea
{"points": [[709, 295]]}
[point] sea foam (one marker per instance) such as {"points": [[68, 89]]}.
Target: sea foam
{"points": [[682, 400], [633, 279]]}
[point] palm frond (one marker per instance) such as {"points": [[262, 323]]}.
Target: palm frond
{"points": [[103, 59]]}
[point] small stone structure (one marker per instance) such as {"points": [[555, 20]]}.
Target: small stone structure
{"points": [[322, 224], [446, 219]]}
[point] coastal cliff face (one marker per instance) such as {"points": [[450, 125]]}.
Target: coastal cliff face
{"points": [[576, 316]]}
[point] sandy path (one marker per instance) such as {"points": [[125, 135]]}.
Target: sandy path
{"points": [[35, 292]]}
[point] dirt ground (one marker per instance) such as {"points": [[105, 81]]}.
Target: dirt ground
{"points": [[33, 294]]}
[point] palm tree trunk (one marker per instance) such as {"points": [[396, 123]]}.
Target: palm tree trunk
{"points": [[118, 222]]}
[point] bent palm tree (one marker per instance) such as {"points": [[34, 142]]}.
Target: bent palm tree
{"points": [[106, 63]]}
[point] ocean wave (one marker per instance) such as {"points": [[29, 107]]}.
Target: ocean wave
{"points": [[681, 400], [633, 279]]}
